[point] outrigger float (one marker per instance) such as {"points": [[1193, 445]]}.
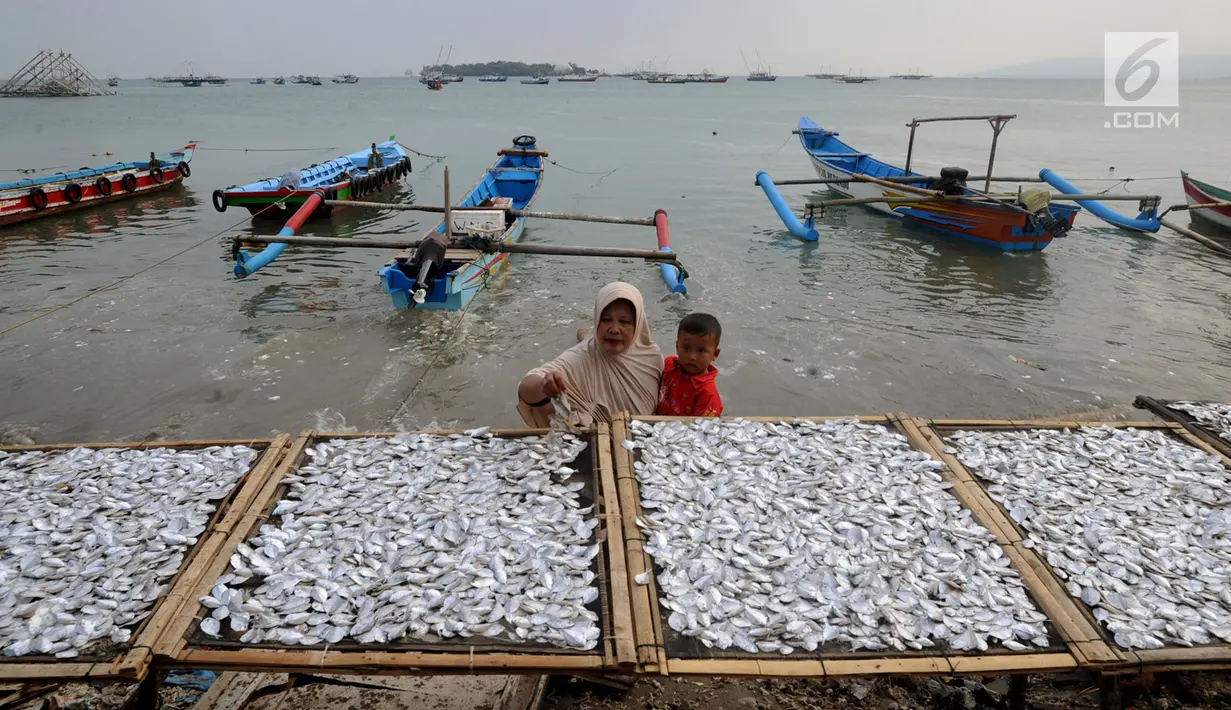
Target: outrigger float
{"points": [[452, 262], [31, 198], [1027, 219]]}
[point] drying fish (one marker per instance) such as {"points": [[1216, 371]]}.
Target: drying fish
{"points": [[788, 536], [419, 537], [1135, 522], [1214, 415], [89, 538]]}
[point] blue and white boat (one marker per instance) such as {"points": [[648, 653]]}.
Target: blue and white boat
{"points": [[497, 78], [513, 181]]}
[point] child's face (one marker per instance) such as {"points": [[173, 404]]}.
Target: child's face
{"points": [[696, 352]]}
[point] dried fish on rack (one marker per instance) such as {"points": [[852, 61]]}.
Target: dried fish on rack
{"points": [[1135, 522], [419, 538], [1214, 415], [793, 536], [89, 538]]}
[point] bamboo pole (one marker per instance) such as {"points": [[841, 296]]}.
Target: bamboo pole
{"points": [[569, 216], [842, 202], [1202, 206], [1185, 232], [543, 249], [908, 179], [999, 117]]}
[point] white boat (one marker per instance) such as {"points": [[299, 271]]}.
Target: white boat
{"points": [[536, 80], [497, 78], [346, 79]]}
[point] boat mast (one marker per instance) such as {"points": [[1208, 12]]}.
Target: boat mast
{"points": [[745, 60]]}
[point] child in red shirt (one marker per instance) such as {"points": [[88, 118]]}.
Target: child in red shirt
{"points": [[688, 388]]}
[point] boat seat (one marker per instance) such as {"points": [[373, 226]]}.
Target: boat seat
{"points": [[840, 155], [462, 255]]}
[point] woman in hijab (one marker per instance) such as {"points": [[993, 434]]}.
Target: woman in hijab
{"points": [[616, 367]]}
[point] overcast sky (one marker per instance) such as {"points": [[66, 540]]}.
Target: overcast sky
{"points": [[136, 38]]}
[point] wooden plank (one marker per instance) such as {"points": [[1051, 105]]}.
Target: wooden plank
{"points": [[1218, 653], [232, 690], [920, 665], [1013, 663], [726, 667], [642, 597], [191, 444], [621, 603], [785, 420], [411, 663]]}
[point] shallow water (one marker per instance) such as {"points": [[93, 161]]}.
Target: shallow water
{"points": [[877, 316]]}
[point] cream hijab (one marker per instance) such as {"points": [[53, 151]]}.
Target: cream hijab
{"points": [[599, 384]]}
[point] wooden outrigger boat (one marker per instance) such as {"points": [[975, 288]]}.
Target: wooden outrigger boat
{"points": [[512, 182], [346, 178], [31, 198], [1203, 193], [446, 268], [1025, 222]]}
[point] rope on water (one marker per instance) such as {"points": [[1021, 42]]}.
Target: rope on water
{"points": [[580, 172], [421, 155], [135, 274], [788, 140]]}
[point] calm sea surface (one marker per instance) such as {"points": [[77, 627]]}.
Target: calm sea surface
{"points": [[878, 316]]}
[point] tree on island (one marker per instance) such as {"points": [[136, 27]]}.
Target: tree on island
{"points": [[500, 68]]}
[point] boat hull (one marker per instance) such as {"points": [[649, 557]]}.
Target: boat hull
{"points": [[1202, 193], [15, 198], [1001, 227], [264, 200]]}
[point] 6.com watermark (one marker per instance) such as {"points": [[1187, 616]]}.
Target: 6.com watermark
{"points": [[1141, 70]]}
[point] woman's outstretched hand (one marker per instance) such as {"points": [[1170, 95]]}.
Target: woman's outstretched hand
{"points": [[536, 388], [553, 385]]}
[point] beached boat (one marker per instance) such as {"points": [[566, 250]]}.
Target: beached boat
{"points": [[1203, 193], [537, 80], [30, 198], [513, 181], [1003, 222], [344, 178], [494, 78]]}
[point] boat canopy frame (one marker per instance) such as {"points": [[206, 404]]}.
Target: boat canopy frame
{"points": [[996, 121]]}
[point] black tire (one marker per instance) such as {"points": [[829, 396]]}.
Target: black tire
{"points": [[73, 192], [38, 199], [129, 181], [524, 141], [103, 185], [184, 169], [220, 200], [157, 175]]}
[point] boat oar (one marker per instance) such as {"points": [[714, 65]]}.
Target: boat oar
{"points": [[542, 249], [573, 217]]}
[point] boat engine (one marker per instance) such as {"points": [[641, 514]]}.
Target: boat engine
{"points": [[952, 181], [1036, 201]]}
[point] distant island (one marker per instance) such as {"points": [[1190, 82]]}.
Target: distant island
{"points": [[502, 68]]}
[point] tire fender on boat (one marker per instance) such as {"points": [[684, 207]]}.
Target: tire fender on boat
{"points": [[72, 192], [103, 185], [38, 198], [220, 200], [183, 168], [129, 181], [157, 176]]}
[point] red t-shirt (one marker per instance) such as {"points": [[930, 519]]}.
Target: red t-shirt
{"points": [[683, 395]]}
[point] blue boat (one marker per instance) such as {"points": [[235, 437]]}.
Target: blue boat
{"points": [[1001, 223], [346, 178], [513, 181]]}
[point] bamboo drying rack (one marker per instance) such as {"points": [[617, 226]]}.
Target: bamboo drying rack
{"points": [[132, 662], [176, 647], [1087, 639], [651, 641], [1162, 407]]}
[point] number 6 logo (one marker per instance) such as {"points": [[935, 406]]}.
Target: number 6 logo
{"points": [[1127, 55]]}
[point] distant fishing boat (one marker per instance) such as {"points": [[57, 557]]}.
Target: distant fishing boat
{"points": [[192, 83], [761, 73], [537, 80], [300, 79], [666, 79], [1022, 222], [513, 181], [824, 75], [498, 78], [1203, 193], [113, 80], [315, 81], [706, 77], [855, 79], [346, 79], [344, 178], [434, 85], [279, 80], [258, 80], [31, 198], [576, 78]]}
